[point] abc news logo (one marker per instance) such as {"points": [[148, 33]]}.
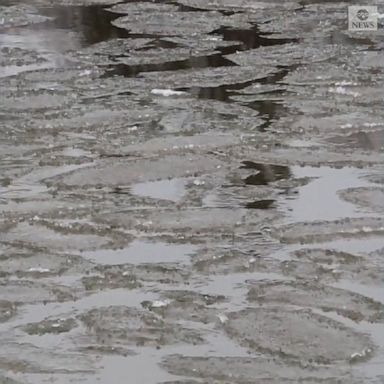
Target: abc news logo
{"points": [[362, 18]]}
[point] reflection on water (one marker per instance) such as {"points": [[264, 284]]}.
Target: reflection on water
{"points": [[260, 204], [267, 173], [208, 61], [243, 39], [92, 23], [142, 252], [368, 140], [248, 38], [70, 28], [325, 188], [269, 110], [173, 189]]}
